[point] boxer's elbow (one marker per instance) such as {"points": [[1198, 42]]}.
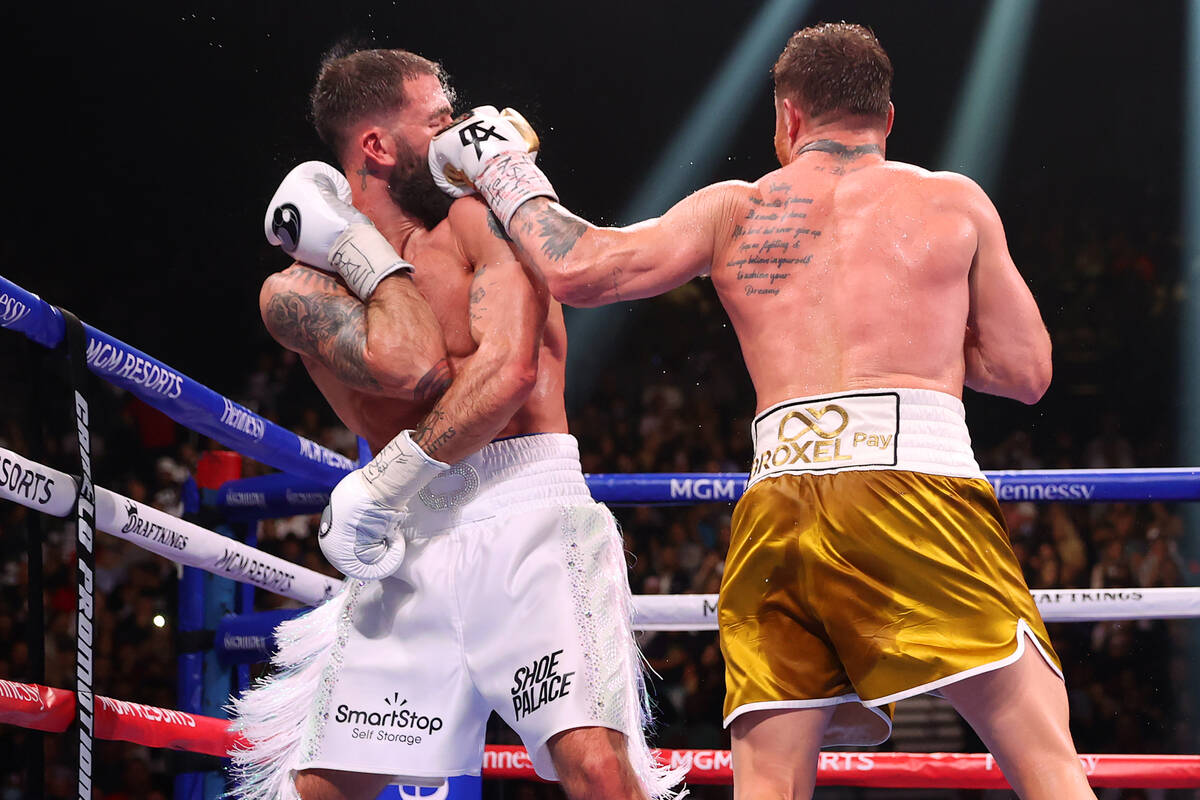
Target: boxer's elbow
{"points": [[514, 380], [575, 285], [411, 372], [1028, 381], [1036, 380]]}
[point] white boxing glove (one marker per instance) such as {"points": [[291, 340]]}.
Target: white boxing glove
{"points": [[311, 218], [491, 152], [360, 529]]}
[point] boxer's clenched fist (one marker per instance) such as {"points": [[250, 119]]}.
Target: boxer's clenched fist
{"points": [[311, 218], [491, 152], [360, 529]]}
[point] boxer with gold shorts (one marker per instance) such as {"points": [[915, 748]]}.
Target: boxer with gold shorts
{"points": [[868, 563]]}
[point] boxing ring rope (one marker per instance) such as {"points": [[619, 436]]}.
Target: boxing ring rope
{"points": [[53, 492], [175, 539], [303, 489], [47, 709], [188, 402]]}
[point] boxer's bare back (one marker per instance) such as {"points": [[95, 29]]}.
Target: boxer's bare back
{"points": [[839, 271]]}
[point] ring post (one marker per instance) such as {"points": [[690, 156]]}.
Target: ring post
{"points": [[204, 683]]}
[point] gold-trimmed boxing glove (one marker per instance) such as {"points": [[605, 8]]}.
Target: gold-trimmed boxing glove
{"points": [[491, 152]]}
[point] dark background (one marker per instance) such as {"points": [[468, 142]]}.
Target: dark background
{"points": [[145, 144]]}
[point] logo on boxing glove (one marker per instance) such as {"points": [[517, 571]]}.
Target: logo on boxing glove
{"points": [[476, 133], [326, 522], [285, 224]]}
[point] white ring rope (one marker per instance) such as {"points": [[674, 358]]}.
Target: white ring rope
{"points": [[44, 489]]}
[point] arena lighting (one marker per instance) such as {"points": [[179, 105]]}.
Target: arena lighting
{"points": [[1190, 225], [1189, 349], [686, 164], [983, 117]]}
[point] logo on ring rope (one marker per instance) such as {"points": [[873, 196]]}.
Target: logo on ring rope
{"points": [[813, 422], [441, 501]]}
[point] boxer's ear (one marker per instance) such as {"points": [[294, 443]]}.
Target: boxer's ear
{"points": [[378, 147], [793, 118], [891, 118]]}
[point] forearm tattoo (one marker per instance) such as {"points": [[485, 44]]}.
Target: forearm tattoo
{"points": [[327, 327], [433, 432], [496, 228], [559, 233], [434, 382]]}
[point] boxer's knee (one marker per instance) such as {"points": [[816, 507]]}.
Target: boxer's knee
{"points": [[593, 763], [333, 784]]}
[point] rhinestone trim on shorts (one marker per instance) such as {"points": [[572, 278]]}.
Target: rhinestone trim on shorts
{"points": [[329, 675]]}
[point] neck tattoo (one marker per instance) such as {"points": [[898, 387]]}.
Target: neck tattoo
{"points": [[840, 150]]}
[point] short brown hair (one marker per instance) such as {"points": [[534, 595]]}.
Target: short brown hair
{"points": [[835, 68], [355, 84]]}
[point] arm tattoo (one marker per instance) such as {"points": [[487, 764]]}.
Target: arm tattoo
{"points": [[434, 382], [477, 295], [559, 232], [307, 276], [331, 329], [433, 433], [496, 228]]}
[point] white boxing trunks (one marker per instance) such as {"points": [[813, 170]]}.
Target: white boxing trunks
{"points": [[513, 596]]}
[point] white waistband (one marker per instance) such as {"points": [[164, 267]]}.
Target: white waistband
{"points": [[507, 475], [914, 430]]}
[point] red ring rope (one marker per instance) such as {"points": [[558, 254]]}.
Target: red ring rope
{"points": [[46, 709]]}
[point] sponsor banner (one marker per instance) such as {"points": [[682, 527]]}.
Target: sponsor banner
{"points": [[690, 612], [29, 314], [12, 310], [130, 368], [157, 727], [170, 391], [274, 495], [1071, 486], [828, 433], [186, 543], [675, 612], [35, 485], [315, 452], [249, 638], [896, 770], [243, 419]]}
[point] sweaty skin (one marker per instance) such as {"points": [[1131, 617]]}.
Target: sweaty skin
{"points": [[377, 395], [471, 311], [839, 271]]}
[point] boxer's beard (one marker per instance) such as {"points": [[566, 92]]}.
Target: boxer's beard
{"points": [[412, 188]]}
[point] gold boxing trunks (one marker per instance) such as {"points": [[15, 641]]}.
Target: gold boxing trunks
{"points": [[868, 562]]}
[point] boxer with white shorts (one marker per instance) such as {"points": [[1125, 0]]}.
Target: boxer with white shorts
{"points": [[482, 575]]}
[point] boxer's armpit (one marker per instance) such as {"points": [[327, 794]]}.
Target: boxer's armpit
{"points": [[330, 328]]}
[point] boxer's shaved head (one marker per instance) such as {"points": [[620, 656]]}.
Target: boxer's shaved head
{"points": [[835, 69], [355, 85]]}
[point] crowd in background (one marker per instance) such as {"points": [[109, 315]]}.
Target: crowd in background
{"points": [[680, 401]]}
